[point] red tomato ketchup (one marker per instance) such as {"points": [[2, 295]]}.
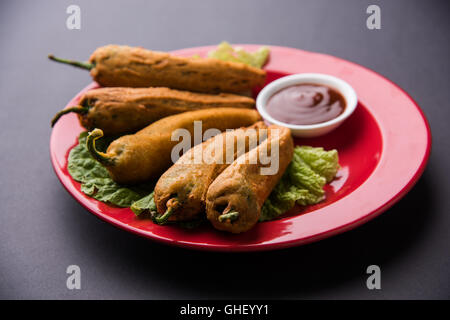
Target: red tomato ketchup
{"points": [[305, 104]]}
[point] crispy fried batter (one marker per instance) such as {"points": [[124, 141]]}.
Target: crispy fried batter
{"points": [[242, 189], [123, 66], [189, 178], [146, 154], [126, 110]]}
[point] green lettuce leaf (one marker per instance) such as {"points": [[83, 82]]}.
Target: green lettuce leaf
{"points": [[226, 52], [303, 182], [146, 204], [325, 163], [95, 180]]}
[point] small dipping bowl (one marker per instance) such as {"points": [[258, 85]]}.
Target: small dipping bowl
{"points": [[310, 130]]}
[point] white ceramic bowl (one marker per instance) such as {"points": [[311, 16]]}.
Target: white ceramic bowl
{"points": [[312, 130]]}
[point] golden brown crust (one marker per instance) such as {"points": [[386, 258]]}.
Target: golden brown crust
{"points": [[241, 187], [124, 110], [123, 66], [147, 154], [188, 180]]}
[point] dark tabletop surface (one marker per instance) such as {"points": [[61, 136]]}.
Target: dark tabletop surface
{"points": [[43, 229]]}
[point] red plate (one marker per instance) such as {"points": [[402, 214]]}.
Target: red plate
{"points": [[383, 149]]}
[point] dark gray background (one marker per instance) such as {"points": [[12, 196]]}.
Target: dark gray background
{"points": [[43, 229]]}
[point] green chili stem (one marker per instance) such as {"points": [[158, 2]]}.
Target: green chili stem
{"points": [[101, 157], [172, 206], [79, 64], [162, 219], [232, 216], [77, 109]]}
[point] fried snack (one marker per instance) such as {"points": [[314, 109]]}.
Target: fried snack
{"points": [[180, 192], [234, 200], [146, 154], [123, 66], [124, 110]]}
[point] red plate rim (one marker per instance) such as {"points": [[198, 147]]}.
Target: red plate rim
{"points": [[393, 177]]}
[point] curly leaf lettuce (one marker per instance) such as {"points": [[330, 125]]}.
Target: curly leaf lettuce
{"points": [[226, 52], [146, 204], [303, 182], [95, 180]]}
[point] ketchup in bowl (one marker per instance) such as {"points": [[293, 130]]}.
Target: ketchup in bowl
{"points": [[305, 104]]}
